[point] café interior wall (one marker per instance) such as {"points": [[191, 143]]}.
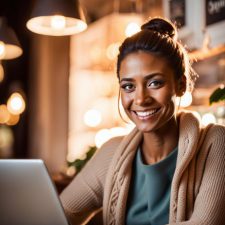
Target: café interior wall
{"points": [[48, 131]]}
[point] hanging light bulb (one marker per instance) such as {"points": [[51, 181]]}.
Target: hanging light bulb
{"points": [[9, 44], [58, 22], [57, 18]]}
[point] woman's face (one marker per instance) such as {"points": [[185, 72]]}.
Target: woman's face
{"points": [[148, 90]]}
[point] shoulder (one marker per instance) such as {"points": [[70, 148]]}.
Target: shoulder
{"points": [[215, 140], [216, 133], [112, 143]]}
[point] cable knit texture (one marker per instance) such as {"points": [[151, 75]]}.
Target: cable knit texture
{"points": [[197, 191]]}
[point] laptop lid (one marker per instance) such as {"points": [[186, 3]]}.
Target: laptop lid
{"points": [[27, 194]]}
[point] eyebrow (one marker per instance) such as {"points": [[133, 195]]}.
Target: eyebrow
{"points": [[147, 77]]}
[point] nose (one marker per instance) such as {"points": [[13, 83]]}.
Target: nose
{"points": [[142, 96]]}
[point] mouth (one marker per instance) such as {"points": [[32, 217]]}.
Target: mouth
{"points": [[143, 115]]}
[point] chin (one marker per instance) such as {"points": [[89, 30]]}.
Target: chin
{"points": [[146, 129]]}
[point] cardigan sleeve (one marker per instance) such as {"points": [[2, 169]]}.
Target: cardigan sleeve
{"points": [[210, 202], [84, 195]]}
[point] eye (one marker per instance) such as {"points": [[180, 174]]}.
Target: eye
{"points": [[128, 87], [155, 83]]}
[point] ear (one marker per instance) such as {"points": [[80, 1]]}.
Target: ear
{"points": [[181, 86]]}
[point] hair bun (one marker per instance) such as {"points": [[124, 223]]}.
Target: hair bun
{"points": [[164, 27]]}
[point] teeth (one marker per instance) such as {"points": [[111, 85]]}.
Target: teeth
{"points": [[147, 113]]}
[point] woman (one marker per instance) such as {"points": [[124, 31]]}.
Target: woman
{"points": [[169, 169]]}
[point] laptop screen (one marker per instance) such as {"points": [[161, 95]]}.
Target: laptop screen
{"points": [[27, 194]]}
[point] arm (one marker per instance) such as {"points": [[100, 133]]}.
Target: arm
{"points": [[210, 202], [84, 195]]}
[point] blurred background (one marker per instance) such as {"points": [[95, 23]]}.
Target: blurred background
{"points": [[58, 85]]}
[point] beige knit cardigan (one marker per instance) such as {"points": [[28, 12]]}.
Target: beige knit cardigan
{"points": [[198, 186]]}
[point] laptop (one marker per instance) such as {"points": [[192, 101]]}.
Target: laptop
{"points": [[28, 195]]}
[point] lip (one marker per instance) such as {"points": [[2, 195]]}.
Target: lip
{"points": [[146, 114]]}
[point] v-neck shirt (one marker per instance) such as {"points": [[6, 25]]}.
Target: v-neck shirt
{"points": [[149, 196]]}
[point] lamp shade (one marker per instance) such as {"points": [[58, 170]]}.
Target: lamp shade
{"points": [[9, 44], [57, 18]]}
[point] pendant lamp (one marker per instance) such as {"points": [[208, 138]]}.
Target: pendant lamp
{"points": [[57, 18], [9, 44]]}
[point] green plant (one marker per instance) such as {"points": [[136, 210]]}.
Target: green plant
{"points": [[79, 163], [217, 95]]}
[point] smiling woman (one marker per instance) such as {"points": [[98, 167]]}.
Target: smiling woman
{"points": [[170, 168], [147, 90]]}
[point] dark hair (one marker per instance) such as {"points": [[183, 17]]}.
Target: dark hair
{"points": [[159, 37]]}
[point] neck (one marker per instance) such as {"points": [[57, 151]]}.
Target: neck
{"points": [[158, 144]]}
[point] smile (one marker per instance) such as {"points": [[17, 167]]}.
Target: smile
{"points": [[146, 114]]}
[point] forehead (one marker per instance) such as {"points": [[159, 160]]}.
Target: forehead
{"points": [[141, 62]]}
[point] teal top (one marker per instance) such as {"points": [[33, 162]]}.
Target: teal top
{"points": [[149, 195]]}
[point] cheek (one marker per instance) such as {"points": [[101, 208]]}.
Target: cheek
{"points": [[125, 100], [164, 96]]}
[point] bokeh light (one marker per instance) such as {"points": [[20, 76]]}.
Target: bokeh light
{"points": [[131, 29], [92, 118], [112, 50], [208, 118], [101, 137], [4, 114], [1, 73], [16, 104], [2, 50], [185, 100]]}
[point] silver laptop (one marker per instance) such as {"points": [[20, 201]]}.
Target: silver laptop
{"points": [[27, 194]]}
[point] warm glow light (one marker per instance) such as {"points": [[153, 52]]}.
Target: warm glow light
{"points": [[105, 134], [13, 119], [2, 50], [118, 131], [131, 29], [102, 136], [185, 100], [74, 155], [6, 141], [112, 50], [11, 52], [130, 126], [197, 114], [56, 26], [4, 114], [71, 171], [220, 112], [1, 73], [58, 22], [16, 103], [92, 118], [208, 118]]}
